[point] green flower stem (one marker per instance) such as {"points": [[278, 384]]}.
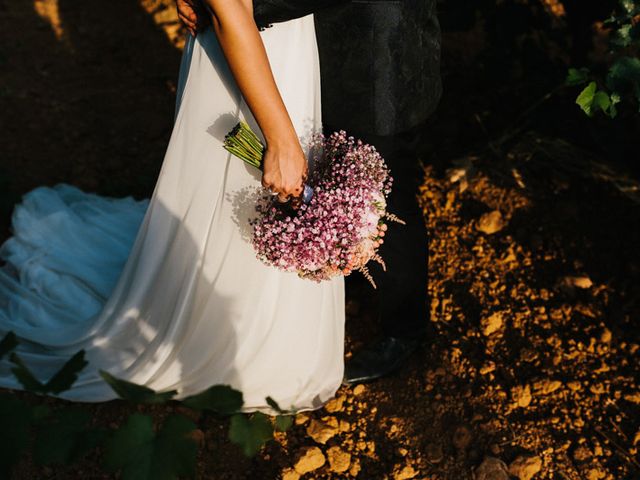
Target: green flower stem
{"points": [[242, 142]]}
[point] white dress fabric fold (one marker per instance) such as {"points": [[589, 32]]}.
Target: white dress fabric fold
{"points": [[167, 292]]}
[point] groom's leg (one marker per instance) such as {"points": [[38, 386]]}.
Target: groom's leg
{"points": [[402, 289]]}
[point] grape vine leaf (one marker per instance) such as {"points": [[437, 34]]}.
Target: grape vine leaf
{"points": [[24, 375], [8, 343], [284, 420], [250, 433], [64, 437], [136, 393], [15, 418], [62, 380], [591, 100], [221, 399], [142, 455], [68, 374], [577, 76]]}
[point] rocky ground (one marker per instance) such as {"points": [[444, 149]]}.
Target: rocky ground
{"points": [[531, 369]]}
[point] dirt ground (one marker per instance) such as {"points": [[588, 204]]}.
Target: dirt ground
{"points": [[534, 270]]}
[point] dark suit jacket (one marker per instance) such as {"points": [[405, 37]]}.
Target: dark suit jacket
{"points": [[379, 59]]}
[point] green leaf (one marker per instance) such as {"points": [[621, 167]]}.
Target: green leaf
{"points": [[130, 448], [591, 100], [250, 433], [136, 393], [135, 449], [175, 451], [284, 422], [273, 404], [15, 418], [624, 74], [67, 375], [24, 375], [62, 380], [577, 76], [221, 399], [601, 101], [65, 437], [8, 343]]}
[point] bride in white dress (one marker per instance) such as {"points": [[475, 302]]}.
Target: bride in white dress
{"points": [[167, 292]]}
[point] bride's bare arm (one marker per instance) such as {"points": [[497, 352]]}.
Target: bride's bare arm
{"points": [[284, 162]]}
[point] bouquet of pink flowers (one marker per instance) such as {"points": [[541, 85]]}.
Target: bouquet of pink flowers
{"points": [[340, 225]]}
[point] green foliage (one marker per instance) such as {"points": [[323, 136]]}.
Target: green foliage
{"points": [[136, 393], [622, 80], [221, 399], [16, 418], [61, 380], [250, 432], [65, 437], [284, 420], [141, 454]]}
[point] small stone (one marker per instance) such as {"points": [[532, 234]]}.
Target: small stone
{"points": [[355, 467], [302, 418], [322, 430], [547, 386], [521, 395], [491, 324], [525, 467], [492, 469], [491, 222], [606, 336], [434, 453], [339, 461], [309, 459], [487, 368], [636, 439], [582, 454], [290, 474], [462, 437], [633, 398], [335, 404], [344, 426], [596, 473], [404, 473], [574, 386], [359, 389]]}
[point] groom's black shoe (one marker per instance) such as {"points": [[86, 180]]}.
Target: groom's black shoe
{"points": [[382, 357]]}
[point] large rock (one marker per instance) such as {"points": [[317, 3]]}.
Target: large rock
{"points": [[525, 467], [309, 459]]}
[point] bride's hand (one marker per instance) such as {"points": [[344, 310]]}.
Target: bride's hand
{"points": [[284, 169], [192, 15]]}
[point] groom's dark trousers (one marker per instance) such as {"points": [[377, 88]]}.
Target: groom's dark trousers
{"points": [[380, 73]]}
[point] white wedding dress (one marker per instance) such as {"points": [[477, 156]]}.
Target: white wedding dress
{"points": [[167, 292]]}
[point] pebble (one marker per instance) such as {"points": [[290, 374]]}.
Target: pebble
{"points": [[492, 469], [359, 389], [322, 430], [290, 474], [462, 437], [434, 453], [525, 467], [491, 222], [309, 459], [521, 395], [339, 461], [404, 473], [491, 324]]}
